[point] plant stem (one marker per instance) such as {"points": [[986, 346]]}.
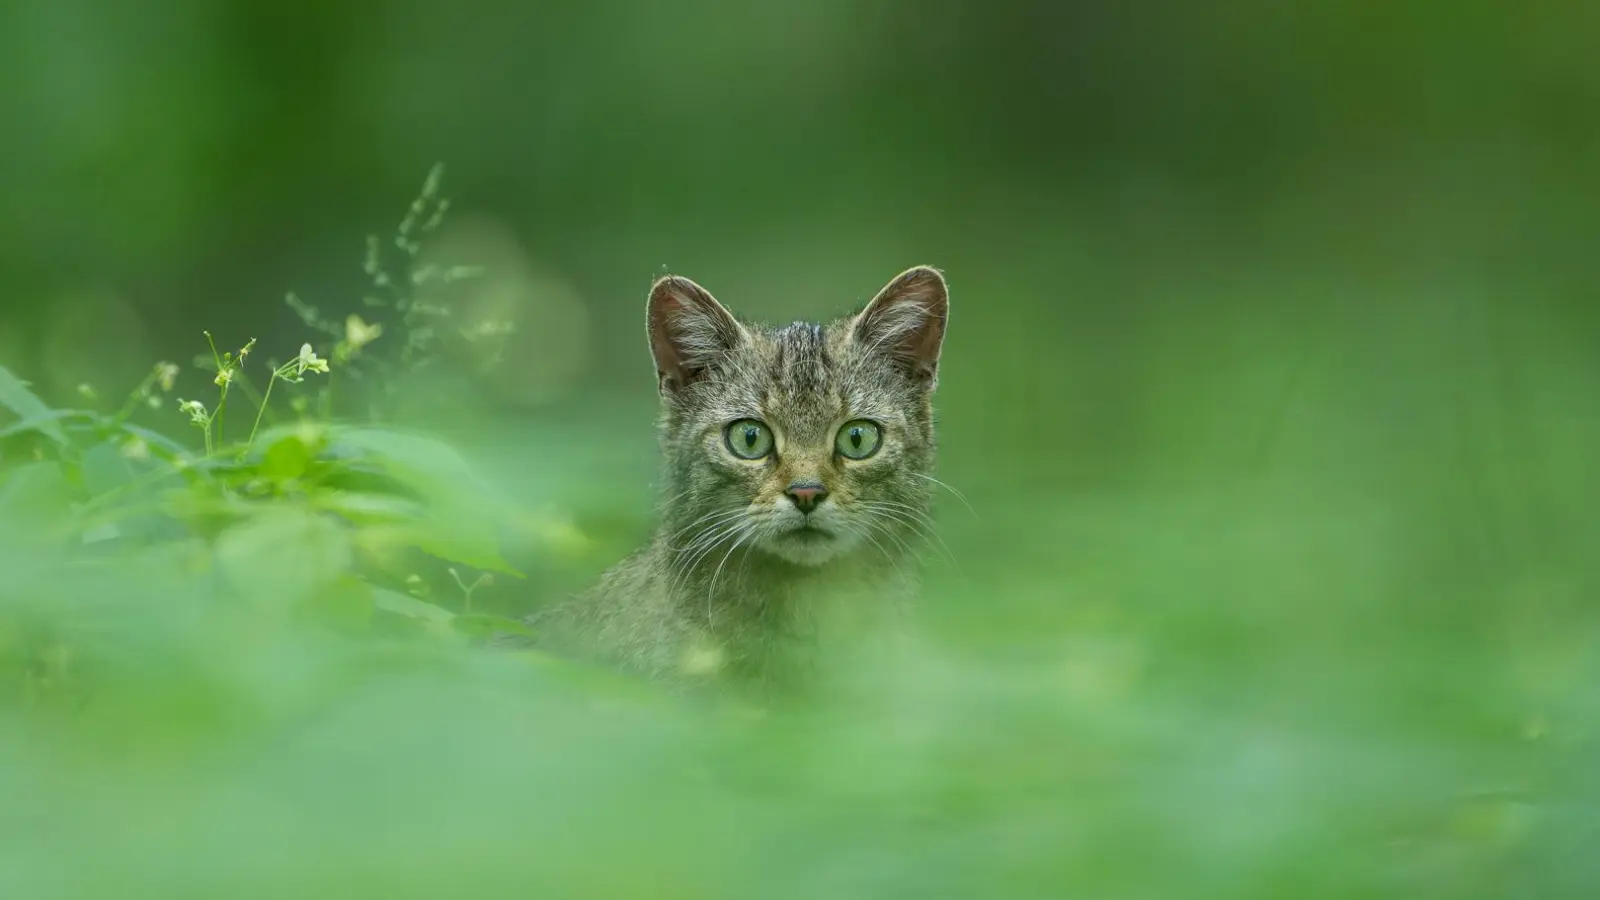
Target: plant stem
{"points": [[260, 411], [123, 414], [327, 398], [222, 401]]}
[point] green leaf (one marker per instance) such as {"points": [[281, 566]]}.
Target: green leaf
{"points": [[38, 491], [40, 422], [461, 516], [346, 603], [282, 555], [159, 444], [459, 545], [419, 614], [104, 468], [15, 396], [286, 459], [364, 508], [416, 459], [451, 539], [409, 606], [483, 625]]}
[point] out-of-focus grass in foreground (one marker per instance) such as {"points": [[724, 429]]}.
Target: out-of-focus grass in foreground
{"points": [[248, 668]]}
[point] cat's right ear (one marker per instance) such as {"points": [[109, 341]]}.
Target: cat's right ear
{"points": [[689, 332]]}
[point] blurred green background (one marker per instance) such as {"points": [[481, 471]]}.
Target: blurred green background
{"points": [[1271, 388]]}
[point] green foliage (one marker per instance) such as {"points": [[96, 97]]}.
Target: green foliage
{"points": [[253, 668], [313, 517], [35, 415]]}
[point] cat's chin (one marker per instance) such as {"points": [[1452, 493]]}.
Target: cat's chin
{"points": [[805, 546]]}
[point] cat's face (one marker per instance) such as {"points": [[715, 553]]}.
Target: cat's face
{"points": [[808, 442]]}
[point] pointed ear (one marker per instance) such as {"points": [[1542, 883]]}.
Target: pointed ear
{"points": [[689, 331], [906, 320]]}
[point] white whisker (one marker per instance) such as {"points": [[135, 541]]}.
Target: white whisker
{"points": [[708, 521], [918, 521], [697, 550], [711, 589], [958, 495]]}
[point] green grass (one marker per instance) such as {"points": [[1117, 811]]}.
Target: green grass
{"points": [[242, 660]]}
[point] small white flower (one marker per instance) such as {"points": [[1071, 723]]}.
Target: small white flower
{"points": [[166, 375], [194, 409], [309, 361], [358, 334]]}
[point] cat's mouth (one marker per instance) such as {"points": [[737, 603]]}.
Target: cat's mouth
{"points": [[806, 544]]}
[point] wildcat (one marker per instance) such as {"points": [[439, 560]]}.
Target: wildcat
{"points": [[796, 479]]}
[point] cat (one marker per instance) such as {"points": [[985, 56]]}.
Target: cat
{"points": [[796, 480]]}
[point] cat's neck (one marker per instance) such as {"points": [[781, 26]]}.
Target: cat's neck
{"points": [[758, 617], [742, 586]]}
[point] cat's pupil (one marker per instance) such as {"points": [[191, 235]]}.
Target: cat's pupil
{"points": [[855, 438], [749, 437]]}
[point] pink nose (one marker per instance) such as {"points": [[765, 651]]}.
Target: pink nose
{"points": [[806, 495]]}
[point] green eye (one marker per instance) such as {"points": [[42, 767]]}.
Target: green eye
{"points": [[858, 439], [749, 439]]}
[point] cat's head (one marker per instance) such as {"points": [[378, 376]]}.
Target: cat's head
{"points": [[805, 441]]}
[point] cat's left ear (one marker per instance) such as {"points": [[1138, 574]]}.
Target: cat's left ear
{"points": [[907, 321]]}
